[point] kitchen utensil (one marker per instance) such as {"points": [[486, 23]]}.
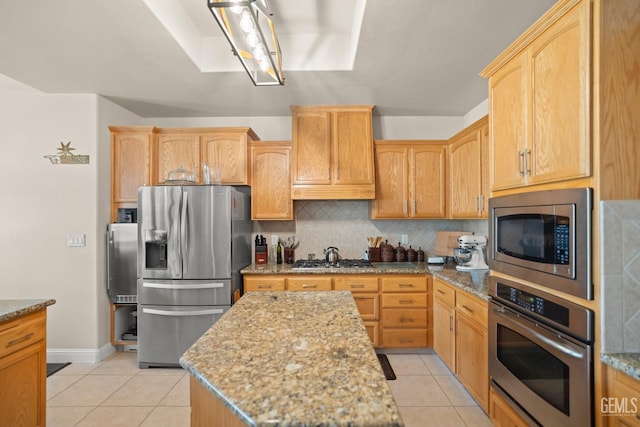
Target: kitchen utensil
{"points": [[332, 255], [180, 175]]}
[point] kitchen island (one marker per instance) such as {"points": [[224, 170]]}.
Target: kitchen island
{"points": [[289, 359]]}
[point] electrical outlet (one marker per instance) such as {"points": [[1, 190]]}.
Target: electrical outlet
{"points": [[76, 240], [404, 239], [274, 240]]}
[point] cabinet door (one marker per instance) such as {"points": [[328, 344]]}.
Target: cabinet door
{"points": [[309, 283], [131, 165], [23, 390], [427, 185], [443, 333], [352, 147], [175, 151], [560, 84], [472, 359], [228, 154], [508, 124], [391, 182], [311, 147], [465, 166], [264, 283], [271, 182]]}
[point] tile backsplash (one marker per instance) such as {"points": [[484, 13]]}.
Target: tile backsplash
{"points": [[345, 224], [620, 275]]}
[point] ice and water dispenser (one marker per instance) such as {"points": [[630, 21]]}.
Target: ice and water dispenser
{"points": [[155, 248]]}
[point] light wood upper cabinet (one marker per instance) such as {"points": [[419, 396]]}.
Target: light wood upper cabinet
{"points": [[539, 103], [271, 181], [410, 180], [177, 151], [468, 190], [228, 152], [131, 165], [332, 153]]}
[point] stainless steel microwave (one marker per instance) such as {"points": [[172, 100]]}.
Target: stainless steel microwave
{"points": [[544, 237]]}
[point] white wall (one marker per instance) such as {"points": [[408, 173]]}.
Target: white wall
{"points": [[42, 203]]}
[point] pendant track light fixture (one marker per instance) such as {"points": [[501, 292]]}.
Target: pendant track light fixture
{"points": [[248, 26]]}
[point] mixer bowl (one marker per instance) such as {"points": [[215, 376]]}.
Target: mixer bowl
{"points": [[462, 255]]}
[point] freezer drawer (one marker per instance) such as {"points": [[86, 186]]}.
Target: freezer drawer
{"points": [[184, 292], [166, 332]]}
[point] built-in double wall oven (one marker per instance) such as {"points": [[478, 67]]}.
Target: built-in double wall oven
{"points": [[541, 344], [540, 354]]}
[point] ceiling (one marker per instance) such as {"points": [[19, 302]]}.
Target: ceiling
{"points": [[168, 58]]}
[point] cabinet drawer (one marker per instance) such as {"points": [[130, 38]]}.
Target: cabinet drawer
{"points": [[404, 337], [472, 307], [404, 300], [263, 284], [356, 283], [22, 332], [444, 292], [368, 305], [414, 283], [309, 283], [404, 318]]}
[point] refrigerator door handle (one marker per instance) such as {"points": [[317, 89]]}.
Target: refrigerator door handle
{"points": [[184, 244], [209, 285], [182, 313], [109, 248]]}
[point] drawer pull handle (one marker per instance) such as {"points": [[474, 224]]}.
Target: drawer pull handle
{"points": [[440, 291], [357, 285], [467, 308], [19, 340], [404, 301], [406, 320], [264, 286], [309, 285], [405, 340], [405, 285]]}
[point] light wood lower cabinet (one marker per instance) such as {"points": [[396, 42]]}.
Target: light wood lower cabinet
{"points": [[405, 306], [501, 414], [460, 337], [394, 308], [620, 406], [23, 371]]}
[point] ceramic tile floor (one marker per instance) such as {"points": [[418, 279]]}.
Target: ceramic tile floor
{"points": [[115, 393]]}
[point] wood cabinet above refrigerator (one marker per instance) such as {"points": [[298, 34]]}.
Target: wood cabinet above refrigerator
{"points": [[332, 152]]}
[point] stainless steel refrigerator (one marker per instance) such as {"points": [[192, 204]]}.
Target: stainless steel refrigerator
{"points": [[192, 242], [122, 261]]}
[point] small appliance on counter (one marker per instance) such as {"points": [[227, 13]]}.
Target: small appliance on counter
{"points": [[261, 254], [469, 255]]}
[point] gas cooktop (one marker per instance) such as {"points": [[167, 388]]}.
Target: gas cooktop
{"points": [[318, 264]]}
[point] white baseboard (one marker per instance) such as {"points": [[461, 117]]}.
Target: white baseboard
{"points": [[79, 355]]}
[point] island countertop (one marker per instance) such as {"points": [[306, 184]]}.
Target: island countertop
{"points": [[294, 359], [12, 308]]}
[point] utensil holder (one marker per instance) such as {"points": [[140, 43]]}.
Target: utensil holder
{"points": [[374, 254], [289, 255]]}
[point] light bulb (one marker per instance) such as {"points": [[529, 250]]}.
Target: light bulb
{"points": [[258, 52], [264, 64], [236, 9], [252, 39], [246, 23]]}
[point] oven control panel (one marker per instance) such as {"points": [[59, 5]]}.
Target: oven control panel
{"points": [[534, 304]]}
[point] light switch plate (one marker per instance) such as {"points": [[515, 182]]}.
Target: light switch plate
{"points": [[76, 240], [404, 239]]}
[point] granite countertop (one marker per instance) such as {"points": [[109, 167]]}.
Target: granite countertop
{"points": [[628, 363], [294, 359], [475, 282], [12, 308]]}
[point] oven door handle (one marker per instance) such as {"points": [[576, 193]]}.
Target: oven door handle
{"points": [[566, 348]]}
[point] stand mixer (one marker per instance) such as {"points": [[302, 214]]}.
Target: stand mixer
{"points": [[469, 255]]}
